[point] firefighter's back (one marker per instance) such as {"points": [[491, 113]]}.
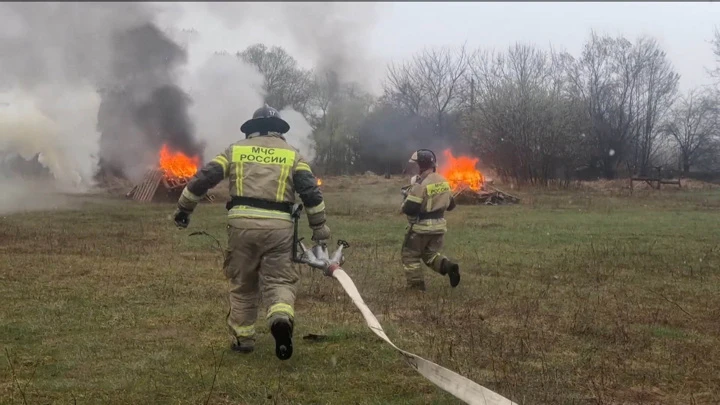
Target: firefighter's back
{"points": [[436, 200], [261, 182], [438, 193]]}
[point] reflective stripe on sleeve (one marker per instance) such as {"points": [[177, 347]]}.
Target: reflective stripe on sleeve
{"points": [[222, 161], [318, 208], [190, 196], [303, 166], [414, 199]]}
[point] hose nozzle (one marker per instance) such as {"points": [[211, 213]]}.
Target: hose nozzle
{"points": [[318, 256]]}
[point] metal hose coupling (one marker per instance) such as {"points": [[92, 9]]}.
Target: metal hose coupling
{"points": [[318, 256]]}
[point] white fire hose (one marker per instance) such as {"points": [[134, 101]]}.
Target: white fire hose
{"points": [[450, 381]]}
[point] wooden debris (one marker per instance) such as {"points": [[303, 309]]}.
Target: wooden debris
{"points": [[488, 195], [156, 187], [655, 181]]}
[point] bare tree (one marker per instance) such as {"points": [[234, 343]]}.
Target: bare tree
{"points": [[715, 72], [522, 121], [624, 88], [286, 84], [693, 126], [656, 91], [429, 85]]}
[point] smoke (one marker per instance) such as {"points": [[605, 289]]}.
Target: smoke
{"points": [[331, 36], [225, 92], [27, 131], [143, 107], [97, 88], [300, 133], [96, 68]]}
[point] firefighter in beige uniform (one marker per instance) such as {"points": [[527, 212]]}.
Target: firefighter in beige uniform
{"points": [[425, 205], [264, 172]]}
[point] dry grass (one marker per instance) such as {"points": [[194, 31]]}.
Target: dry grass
{"points": [[569, 298]]}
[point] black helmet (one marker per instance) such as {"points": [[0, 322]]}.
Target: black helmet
{"points": [[265, 119], [425, 159]]}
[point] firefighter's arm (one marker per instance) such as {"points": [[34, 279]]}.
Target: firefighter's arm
{"points": [[312, 198], [206, 178], [413, 202], [452, 204]]}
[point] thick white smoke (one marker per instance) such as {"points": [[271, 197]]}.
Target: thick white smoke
{"points": [[52, 78], [31, 125]]}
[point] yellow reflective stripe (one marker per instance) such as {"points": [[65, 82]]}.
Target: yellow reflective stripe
{"points": [[303, 166], [432, 259], [263, 155], [318, 208], [414, 199], [243, 331], [412, 266], [243, 211], [190, 196], [430, 227], [239, 179], [437, 188], [222, 161], [281, 308], [282, 183]]}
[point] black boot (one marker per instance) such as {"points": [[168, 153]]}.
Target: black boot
{"points": [[282, 330], [242, 347], [453, 272]]}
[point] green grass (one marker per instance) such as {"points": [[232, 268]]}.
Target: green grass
{"points": [[569, 298]]}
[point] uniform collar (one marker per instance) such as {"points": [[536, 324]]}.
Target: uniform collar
{"points": [[424, 174], [271, 134]]}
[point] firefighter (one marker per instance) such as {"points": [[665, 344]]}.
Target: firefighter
{"points": [[264, 173], [425, 204]]}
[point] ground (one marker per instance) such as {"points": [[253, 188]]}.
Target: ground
{"points": [[572, 297]]}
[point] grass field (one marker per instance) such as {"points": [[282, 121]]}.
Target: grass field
{"points": [[569, 298]]}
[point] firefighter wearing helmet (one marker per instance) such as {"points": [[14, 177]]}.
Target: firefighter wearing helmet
{"points": [[264, 174], [425, 204]]}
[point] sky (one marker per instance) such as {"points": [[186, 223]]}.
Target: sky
{"points": [[393, 31]]}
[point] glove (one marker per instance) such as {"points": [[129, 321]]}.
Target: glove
{"points": [[321, 233], [182, 219]]}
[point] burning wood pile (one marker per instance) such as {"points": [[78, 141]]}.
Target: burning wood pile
{"points": [[469, 185], [166, 182]]}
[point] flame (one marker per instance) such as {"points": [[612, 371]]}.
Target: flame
{"points": [[461, 171], [319, 181], [177, 164]]}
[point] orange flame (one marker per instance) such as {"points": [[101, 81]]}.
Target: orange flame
{"points": [[319, 181], [177, 164], [461, 171]]}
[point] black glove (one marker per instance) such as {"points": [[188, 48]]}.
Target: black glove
{"points": [[182, 219]]}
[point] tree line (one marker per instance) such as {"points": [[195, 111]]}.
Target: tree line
{"points": [[530, 114]]}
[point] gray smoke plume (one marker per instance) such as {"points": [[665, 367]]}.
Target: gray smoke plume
{"points": [[91, 86], [332, 35], [113, 58]]}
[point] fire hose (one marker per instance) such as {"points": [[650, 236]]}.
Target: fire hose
{"points": [[318, 257]]}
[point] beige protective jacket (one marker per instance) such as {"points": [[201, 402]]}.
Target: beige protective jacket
{"points": [[264, 173], [426, 203]]}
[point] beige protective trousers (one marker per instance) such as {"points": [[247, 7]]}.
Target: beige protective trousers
{"points": [[258, 257], [418, 249]]}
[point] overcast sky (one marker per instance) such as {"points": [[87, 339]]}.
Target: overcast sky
{"points": [[683, 29]]}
